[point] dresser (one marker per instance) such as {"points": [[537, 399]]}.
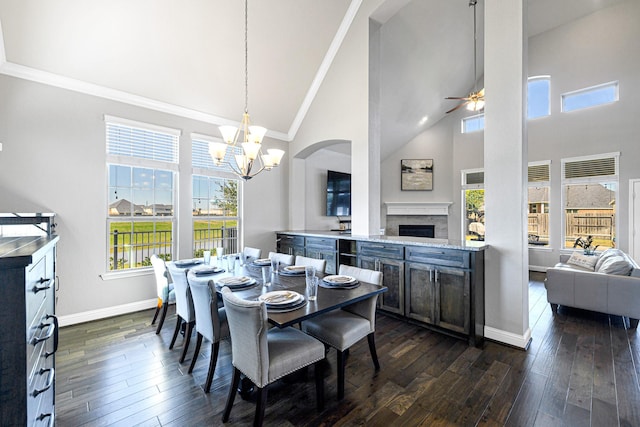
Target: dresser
{"points": [[28, 330]]}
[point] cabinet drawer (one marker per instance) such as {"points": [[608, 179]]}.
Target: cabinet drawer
{"points": [[39, 286], [448, 257], [291, 240], [321, 243], [380, 250]]}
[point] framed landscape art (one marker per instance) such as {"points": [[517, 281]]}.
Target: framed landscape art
{"points": [[416, 174]]}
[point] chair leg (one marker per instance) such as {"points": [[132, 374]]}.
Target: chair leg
{"points": [[319, 372], [633, 323], [165, 307], [215, 347], [232, 394], [554, 308], [261, 403], [187, 340], [155, 315], [175, 331], [372, 350], [341, 362], [196, 352]]}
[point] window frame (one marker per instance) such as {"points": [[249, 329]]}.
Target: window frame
{"points": [[467, 119], [564, 96], [542, 183], [464, 187], [533, 79]]}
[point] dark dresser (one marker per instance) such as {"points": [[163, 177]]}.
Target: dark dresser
{"points": [[28, 330]]}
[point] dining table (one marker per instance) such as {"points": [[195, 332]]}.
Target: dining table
{"points": [[328, 297]]}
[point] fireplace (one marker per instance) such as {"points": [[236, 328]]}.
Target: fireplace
{"points": [[416, 230]]}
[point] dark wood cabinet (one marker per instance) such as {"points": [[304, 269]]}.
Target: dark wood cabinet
{"points": [[29, 333], [288, 244], [386, 258], [323, 248]]}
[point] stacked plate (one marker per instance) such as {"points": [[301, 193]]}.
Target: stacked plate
{"points": [[292, 270], [236, 282], [283, 301], [262, 262], [184, 263], [339, 282], [206, 270]]}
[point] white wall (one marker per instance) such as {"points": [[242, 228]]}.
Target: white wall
{"points": [[53, 160]]}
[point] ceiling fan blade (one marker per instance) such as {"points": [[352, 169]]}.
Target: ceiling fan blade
{"points": [[454, 97], [458, 106], [481, 93]]}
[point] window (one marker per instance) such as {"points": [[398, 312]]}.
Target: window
{"points": [[215, 205], [590, 97], [473, 204], [141, 166], [538, 95], [589, 194], [473, 123], [538, 202]]}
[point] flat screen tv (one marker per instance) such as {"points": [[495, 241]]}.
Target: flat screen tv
{"points": [[338, 193]]}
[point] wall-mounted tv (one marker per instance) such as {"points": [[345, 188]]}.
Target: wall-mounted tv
{"points": [[338, 193]]}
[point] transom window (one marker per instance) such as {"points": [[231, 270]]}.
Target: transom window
{"points": [[538, 96], [590, 97], [473, 123]]}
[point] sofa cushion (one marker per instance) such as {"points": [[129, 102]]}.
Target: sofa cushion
{"points": [[587, 262], [607, 254], [616, 265]]}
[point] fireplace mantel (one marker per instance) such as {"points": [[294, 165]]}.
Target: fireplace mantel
{"points": [[418, 208]]}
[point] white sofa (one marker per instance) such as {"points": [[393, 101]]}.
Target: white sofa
{"points": [[608, 282]]}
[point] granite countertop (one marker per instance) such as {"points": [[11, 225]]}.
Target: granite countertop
{"points": [[468, 245]]}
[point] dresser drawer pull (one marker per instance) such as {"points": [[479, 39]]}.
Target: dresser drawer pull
{"points": [[51, 329], [50, 415], [55, 336], [50, 378], [375, 246], [37, 288]]}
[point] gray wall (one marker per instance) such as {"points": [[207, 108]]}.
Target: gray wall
{"points": [[53, 160]]}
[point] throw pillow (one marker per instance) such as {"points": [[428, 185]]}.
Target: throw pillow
{"points": [[584, 261], [616, 265], [607, 254]]}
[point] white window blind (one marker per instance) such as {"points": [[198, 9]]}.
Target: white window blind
{"points": [[128, 139], [538, 172], [473, 178], [201, 159], [604, 166]]}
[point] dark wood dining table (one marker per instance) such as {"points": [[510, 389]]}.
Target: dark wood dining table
{"points": [[327, 299]]}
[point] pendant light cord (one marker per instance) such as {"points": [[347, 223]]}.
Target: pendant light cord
{"points": [[475, 40], [246, 58]]}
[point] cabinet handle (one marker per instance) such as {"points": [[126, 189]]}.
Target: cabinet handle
{"points": [[37, 288], [51, 329], [375, 246], [430, 275], [50, 378], [436, 276], [55, 336], [51, 416]]}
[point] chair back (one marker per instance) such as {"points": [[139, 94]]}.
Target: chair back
{"points": [[251, 254], [162, 277], [366, 308], [283, 259], [184, 301], [209, 318], [248, 327], [319, 264]]}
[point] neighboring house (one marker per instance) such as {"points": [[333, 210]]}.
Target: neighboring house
{"points": [[124, 207], [587, 198]]}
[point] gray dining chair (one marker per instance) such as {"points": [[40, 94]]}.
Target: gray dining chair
{"points": [[211, 324], [319, 264], [343, 328], [251, 254], [265, 354], [185, 314], [164, 289], [283, 259]]}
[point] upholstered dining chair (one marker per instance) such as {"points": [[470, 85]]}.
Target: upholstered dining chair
{"points": [[319, 264], [266, 354], [164, 287], [283, 259], [211, 324], [185, 314], [341, 329], [251, 254]]}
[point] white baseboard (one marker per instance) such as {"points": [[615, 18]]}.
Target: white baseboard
{"points": [[538, 268], [515, 340], [87, 316]]}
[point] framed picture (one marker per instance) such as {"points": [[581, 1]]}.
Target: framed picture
{"points": [[416, 174]]}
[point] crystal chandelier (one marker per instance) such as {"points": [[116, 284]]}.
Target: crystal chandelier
{"points": [[252, 161]]}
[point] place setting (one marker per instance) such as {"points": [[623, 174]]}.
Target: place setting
{"points": [[236, 283], [339, 282], [261, 262], [293, 270], [184, 263], [283, 301], [207, 270]]}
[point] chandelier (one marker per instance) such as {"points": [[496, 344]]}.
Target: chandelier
{"points": [[252, 161]]}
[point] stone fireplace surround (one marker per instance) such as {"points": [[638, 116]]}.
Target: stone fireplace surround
{"points": [[435, 214]]}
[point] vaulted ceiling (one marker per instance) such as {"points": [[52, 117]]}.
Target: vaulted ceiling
{"points": [[190, 55]]}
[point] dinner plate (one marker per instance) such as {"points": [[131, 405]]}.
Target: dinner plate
{"points": [[293, 269], [280, 298], [287, 308], [205, 271], [262, 262], [236, 281], [348, 286], [187, 262], [339, 280]]}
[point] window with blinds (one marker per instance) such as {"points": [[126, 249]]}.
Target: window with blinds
{"points": [[201, 159], [473, 201], [126, 138], [538, 198]]}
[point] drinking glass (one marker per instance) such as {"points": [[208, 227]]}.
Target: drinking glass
{"points": [[275, 265], [219, 255], [309, 274], [312, 288], [207, 257], [231, 263], [265, 275]]}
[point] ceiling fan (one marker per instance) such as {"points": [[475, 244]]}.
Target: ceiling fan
{"points": [[475, 100]]}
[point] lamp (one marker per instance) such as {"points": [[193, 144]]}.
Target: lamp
{"points": [[252, 161]]}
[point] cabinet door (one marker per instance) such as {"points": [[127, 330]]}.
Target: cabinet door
{"points": [[452, 299], [392, 278], [420, 292], [329, 256]]}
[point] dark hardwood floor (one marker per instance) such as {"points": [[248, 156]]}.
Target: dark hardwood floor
{"points": [[581, 369]]}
